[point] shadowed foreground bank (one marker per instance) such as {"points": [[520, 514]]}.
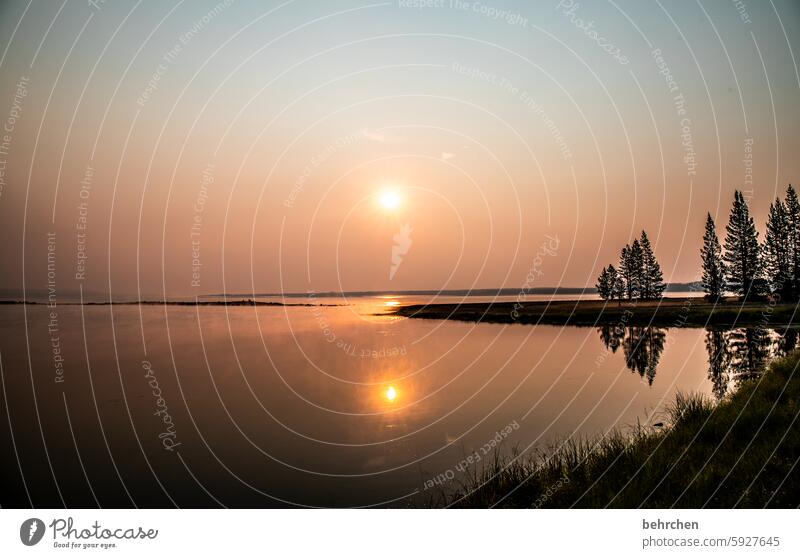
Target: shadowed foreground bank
{"points": [[742, 452], [666, 312]]}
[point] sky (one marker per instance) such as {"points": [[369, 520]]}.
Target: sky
{"points": [[186, 148]]}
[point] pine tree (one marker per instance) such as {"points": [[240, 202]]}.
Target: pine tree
{"points": [[742, 250], [652, 281], [603, 285], [627, 272], [793, 218], [615, 282], [635, 263], [609, 285], [630, 269], [644, 277], [713, 264], [777, 257]]}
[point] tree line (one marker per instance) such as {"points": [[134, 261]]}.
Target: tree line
{"points": [[638, 275], [746, 267], [741, 265]]}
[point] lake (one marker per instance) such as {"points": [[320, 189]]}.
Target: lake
{"points": [[341, 405]]}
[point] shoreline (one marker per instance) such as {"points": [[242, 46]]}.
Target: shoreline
{"points": [[247, 302], [665, 312], [740, 452]]}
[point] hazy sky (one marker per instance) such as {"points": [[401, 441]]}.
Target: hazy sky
{"points": [[191, 147]]}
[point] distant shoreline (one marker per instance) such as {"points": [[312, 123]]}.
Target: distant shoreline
{"points": [[666, 312], [247, 302], [494, 291]]}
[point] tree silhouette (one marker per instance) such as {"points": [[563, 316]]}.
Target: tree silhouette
{"points": [[630, 269], [615, 283], [713, 264], [742, 250], [652, 281], [793, 221], [638, 276], [609, 284], [777, 257], [635, 263], [628, 272], [604, 285]]}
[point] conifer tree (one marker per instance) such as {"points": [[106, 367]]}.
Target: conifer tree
{"points": [[635, 263], [603, 285], [713, 264], [793, 218], [742, 250], [609, 286], [652, 280], [627, 272], [615, 283], [777, 258]]}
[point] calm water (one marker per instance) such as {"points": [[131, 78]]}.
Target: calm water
{"points": [[318, 406]]}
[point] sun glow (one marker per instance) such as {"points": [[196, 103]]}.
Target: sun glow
{"points": [[391, 393], [390, 200]]}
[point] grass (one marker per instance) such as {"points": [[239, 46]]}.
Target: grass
{"points": [[742, 452], [665, 312]]}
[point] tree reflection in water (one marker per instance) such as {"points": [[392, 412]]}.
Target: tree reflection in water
{"points": [[734, 355], [641, 346], [718, 361], [787, 341]]}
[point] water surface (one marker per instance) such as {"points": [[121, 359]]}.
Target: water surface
{"points": [[321, 405]]}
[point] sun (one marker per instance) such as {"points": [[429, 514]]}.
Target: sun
{"points": [[391, 393], [390, 200]]}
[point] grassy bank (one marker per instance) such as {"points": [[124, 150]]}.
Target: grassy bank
{"points": [[742, 452], [666, 312]]}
